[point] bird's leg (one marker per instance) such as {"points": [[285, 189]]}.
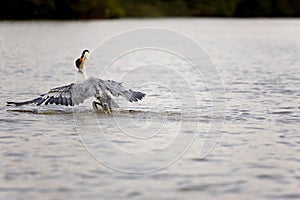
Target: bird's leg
{"points": [[105, 106], [95, 103]]}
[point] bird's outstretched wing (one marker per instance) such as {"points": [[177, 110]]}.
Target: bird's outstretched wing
{"points": [[68, 95], [75, 94], [116, 89]]}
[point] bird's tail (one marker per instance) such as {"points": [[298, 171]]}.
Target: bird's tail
{"points": [[34, 101]]}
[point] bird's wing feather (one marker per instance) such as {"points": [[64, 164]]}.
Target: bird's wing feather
{"points": [[116, 89], [74, 94], [69, 95]]}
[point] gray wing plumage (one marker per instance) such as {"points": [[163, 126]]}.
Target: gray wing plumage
{"points": [[75, 94], [116, 89], [68, 95]]}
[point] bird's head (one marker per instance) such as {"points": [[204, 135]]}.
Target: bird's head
{"points": [[82, 61]]}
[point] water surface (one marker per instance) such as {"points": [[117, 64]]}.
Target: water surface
{"points": [[42, 151]]}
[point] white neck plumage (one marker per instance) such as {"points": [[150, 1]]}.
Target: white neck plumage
{"points": [[84, 75], [85, 64]]}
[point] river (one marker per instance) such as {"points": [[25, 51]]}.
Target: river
{"points": [[165, 146]]}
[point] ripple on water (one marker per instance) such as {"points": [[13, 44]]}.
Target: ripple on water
{"points": [[208, 187], [286, 196], [15, 154], [283, 112], [6, 137], [270, 177]]}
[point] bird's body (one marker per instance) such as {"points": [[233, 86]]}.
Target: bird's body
{"points": [[76, 93]]}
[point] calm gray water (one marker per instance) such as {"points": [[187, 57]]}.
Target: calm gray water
{"points": [[59, 153]]}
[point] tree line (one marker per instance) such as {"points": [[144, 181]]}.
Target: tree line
{"points": [[104, 9]]}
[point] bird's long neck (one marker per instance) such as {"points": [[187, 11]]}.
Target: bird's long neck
{"points": [[85, 64], [84, 75]]}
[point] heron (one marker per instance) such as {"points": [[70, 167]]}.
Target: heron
{"points": [[76, 93]]}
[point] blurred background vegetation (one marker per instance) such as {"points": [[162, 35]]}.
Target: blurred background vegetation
{"points": [[103, 9]]}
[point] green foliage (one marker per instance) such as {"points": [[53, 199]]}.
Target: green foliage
{"points": [[222, 8], [255, 8], [100, 9]]}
